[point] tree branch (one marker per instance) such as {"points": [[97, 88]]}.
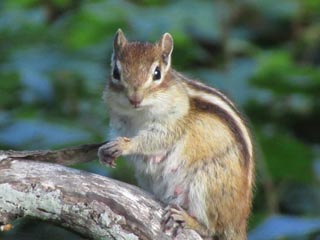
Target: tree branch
{"points": [[91, 205]]}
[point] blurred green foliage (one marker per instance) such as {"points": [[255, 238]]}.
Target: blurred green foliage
{"points": [[54, 59]]}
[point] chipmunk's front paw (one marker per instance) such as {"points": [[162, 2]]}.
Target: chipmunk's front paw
{"points": [[110, 151]]}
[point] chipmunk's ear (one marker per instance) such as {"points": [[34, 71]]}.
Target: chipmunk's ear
{"points": [[119, 41], [166, 44]]}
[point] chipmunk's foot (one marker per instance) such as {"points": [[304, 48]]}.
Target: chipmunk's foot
{"points": [[173, 220], [176, 218]]}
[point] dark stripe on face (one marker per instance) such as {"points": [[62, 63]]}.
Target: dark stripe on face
{"points": [[230, 122]]}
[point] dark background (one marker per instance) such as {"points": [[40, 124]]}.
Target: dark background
{"points": [[264, 54]]}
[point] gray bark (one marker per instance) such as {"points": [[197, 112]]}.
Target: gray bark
{"points": [[91, 205]]}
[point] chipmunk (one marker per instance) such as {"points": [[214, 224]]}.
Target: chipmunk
{"points": [[187, 142]]}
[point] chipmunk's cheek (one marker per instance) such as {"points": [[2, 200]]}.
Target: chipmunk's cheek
{"points": [[147, 102], [119, 102], [123, 101]]}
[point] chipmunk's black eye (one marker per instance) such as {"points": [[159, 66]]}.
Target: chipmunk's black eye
{"points": [[116, 73], [156, 74]]}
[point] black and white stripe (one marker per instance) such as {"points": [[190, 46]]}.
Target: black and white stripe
{"points": [[211, 100]]}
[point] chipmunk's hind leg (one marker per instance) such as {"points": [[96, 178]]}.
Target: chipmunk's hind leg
{"points": [[176, 218]]}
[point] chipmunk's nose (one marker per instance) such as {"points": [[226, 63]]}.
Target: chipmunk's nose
{"points": [[135, 101]]}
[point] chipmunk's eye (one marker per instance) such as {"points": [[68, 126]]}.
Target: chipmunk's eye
{"points": [[116, 73], [156, 74]]}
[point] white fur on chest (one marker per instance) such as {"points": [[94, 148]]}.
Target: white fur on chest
{"points": [[161, 173], [127, 125]]}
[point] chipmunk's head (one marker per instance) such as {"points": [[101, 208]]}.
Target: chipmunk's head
{"points": [[139, 70]]}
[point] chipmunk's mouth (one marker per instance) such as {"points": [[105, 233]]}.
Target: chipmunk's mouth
{"points": [[135, 102], [138, 108]]}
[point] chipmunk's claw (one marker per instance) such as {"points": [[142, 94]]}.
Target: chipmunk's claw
{"points": [[110, 151], [173, 220]]}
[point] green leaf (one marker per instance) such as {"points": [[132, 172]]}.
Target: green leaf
{"points": [[280, 74], [286, 157]]}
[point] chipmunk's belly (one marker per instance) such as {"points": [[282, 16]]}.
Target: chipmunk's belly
{"points": [[163, 175]]}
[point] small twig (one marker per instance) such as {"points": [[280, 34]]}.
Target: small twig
{"points": [[66, 156]]}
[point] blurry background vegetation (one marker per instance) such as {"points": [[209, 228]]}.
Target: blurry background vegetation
{"points": [[264, 54]]}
